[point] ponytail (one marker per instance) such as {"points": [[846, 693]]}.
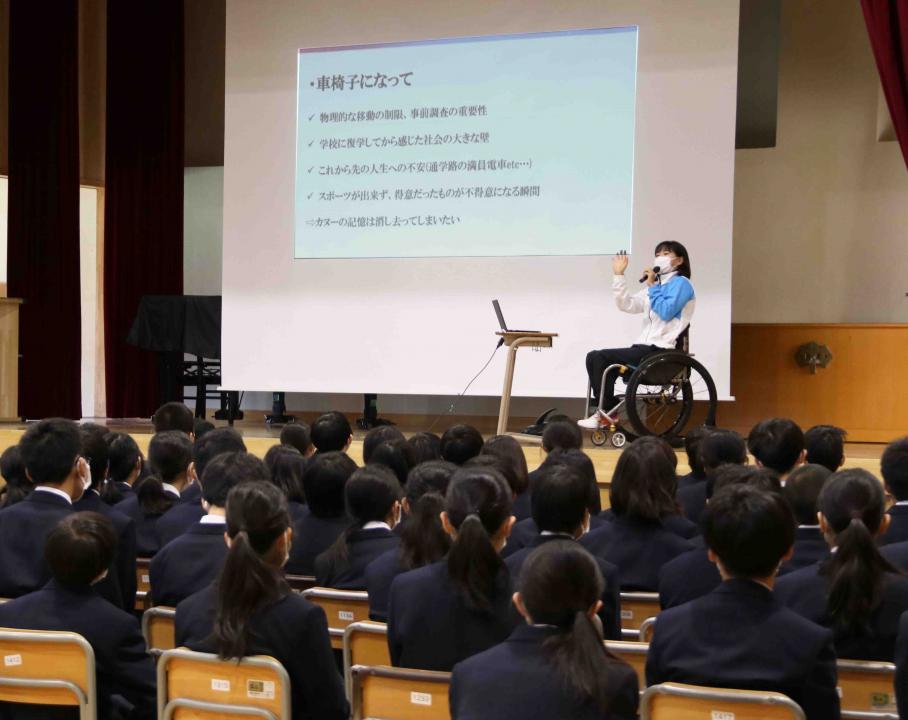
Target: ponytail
{"points": [[577, 652], [474, 563], [423, 540], [152, 497]]}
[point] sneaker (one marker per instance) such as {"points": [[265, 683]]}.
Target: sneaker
{"points": [[595, 421]]}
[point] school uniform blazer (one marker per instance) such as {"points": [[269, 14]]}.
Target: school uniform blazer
{"points": [[380, 573], [739, 636], [291, 630], [124, 575], [677, 524], [433, 625], [690, 479], [898, 526], [897, 554], [516, 679], [311, 537], [187, 564], [810, 547], [901, 667], [638, 548], [147, 540], [692, 499], [687, 577], [122, 664], [522, 508], [806, 591], [610, 612], [181, 516], [296, 510], [526, 531], [363, 547]]}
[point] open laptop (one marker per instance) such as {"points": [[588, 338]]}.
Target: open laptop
{"points": [[501, 321]]}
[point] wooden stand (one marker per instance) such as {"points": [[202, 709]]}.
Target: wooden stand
{"points": [[9, 359], [515, 340]]}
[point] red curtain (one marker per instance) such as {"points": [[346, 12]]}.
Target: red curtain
{"points": [[143, 249], [43, 244], [887, 23]]}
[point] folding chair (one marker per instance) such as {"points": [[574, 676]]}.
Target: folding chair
{"points": [[300, 582], [633, 653], [674, 701], [635, 608], [867, 690], [365, 643], [646, 629], [143, 584], [342, 608], [158, 629], [201, 686], [384, 693], [48, 668]]}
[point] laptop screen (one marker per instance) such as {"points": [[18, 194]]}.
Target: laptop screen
{"points": [[500, 316]]}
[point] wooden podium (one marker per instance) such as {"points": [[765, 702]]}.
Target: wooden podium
{"points": [[9, 359], [515, 340]]}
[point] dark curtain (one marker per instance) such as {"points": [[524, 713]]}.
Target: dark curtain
{"points": [[887, 23], [43, 245], [143, 250]]}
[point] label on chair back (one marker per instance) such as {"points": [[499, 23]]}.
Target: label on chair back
{"points": [[220, 685], [12, 660], [418, 698], [261, 689], [345, 615], [721, 715], [627, 614], [882, 702]]}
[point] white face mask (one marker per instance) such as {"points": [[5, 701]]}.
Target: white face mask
{"points": [[664, 263], [86, 476]]}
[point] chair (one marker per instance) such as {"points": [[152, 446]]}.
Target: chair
{"points": [[384, 693], [674, 701], [48, 668], [365, 643], [201, 686], [867, 689], [646, 629], [636, 608], [633, 653], [300, 582], [143, 584], [158, 629], [342, 608]]}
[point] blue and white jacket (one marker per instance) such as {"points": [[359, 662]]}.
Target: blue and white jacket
{"points": [[667, 306]]}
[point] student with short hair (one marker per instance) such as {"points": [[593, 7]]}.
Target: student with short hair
{"points": [[802, 491], [12, 469], [286, 465], [378, 435], [174, 416], [79, 550], [124, 467], [510, 452], [426, 446], [554, 664], [200, 426], [894, 468], [459, 443], [331, 432], [560, 434], [777, 443], [298, 435], [372, 496], [718, 447], [445, 612], [825, 445], [739, 635], [250, 609], [396, 456]]}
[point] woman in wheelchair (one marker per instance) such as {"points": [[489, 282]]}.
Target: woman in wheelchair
{"points": [[666, 303]]}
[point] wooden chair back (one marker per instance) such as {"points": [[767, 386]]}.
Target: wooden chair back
{"points": [[342, 608], [158, 629], [633, 653], [867, 687], [674, 701], [365, 643], [636, 607], [143, 584], [300, 582], [385, 693]]}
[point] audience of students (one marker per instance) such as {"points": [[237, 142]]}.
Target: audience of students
{"points": [[425, 446], [124, 467], [286, 465], [396, 456], [378, 435], [778, 444], [559, 433], [459, 443], [894, 468], [12, 470], [331, 432], [716, 448], [802, 491], [298, 435], [511, 453], [825, 445]]}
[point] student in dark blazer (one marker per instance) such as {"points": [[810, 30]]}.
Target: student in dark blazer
{"points": [[423, 540], [443, 613], [901, 667], [373, 504], [739, 636], [554, 665], [692, 448], [193, 560], [894, 467], [561, 511], [124, 467], [78, 551], [285, 466], [717, 448], [802, 491], [642, 493], [250, 609], [856, 592]]}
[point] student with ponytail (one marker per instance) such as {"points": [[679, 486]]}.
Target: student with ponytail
{"points": [[856, 592], [250, 609], [554, 665], [443, 613]]}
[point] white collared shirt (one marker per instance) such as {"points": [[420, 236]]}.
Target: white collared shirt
{"points": [[373, 524], [548, 533], [213, 520], [171, 489], [54, 491], [902, 502], [808, 527]]}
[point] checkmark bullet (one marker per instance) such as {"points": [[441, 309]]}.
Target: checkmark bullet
{"points": [[310, 142], [309, 196], [311, 116], [312, 168]]}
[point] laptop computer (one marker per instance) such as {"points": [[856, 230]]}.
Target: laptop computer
{"points": [[501, 321]]}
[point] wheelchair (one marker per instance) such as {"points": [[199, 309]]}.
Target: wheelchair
{"points": [[666, 395]]}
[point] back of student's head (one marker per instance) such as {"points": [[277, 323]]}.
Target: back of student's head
{"points": [[12, 469], [459, 443], [478, 507], [395, 455], [227, 471], [581, 462], [200, 426], [692, 442], [331, 432], [299, 436], [378, 435], [80, 548], [96, 451], [561, 435], [749, 529], [426, 446], [559, 584], [124, 461], [644, 481], [423, 540], [173, 416], [560, 499], [324, 481], [50, 449], [212, 444], [257, 518], [825, 445], [853, 508], [776, 443], [169, 454], [721, 447], [285, 466], [894, 466], [802, 491], [500, 465], [761, 478], [510, 452]]}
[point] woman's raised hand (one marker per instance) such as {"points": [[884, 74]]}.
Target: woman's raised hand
{"points": [[619, 262]]}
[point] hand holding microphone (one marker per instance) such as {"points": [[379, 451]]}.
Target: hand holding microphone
{"points": [[651, 277]]}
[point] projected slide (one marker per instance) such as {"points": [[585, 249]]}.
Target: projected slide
{"points": [[490, 146]]}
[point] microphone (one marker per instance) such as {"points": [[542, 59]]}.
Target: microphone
{"points": [[656, 272]]}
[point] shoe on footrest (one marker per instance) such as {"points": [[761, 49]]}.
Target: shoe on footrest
{"points": [[596, 420]]}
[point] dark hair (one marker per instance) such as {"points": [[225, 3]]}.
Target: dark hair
{"points": [[692, 447], [201, 426], [498, 463], [169, 454], [509, 450], [324, 481], [122, 455], [559, 583], [894, 466], [426, 446], [212, 444], [721, 447], [802, 491], [644, 481], [297, 435], [286, 465], [96, 451], [395, 455], [257, 516], [853, 504], [330, 432], [50, 450], [680, 251], [580, 461], [760, 478], [378, 435], [560, 498], [423, 540], [561, 435], [13, 471], [79, 548], [227, 471], [153, 498], [749, 529], [777, 443], [825, 445], [478, 503], [173, 416], [459, 443]]}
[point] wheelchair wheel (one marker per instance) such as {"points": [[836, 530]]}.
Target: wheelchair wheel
{"points": [[668, 393], [619, 439], [598, 437]]}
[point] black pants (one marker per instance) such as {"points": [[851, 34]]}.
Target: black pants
{"points": [[598, 360]]}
